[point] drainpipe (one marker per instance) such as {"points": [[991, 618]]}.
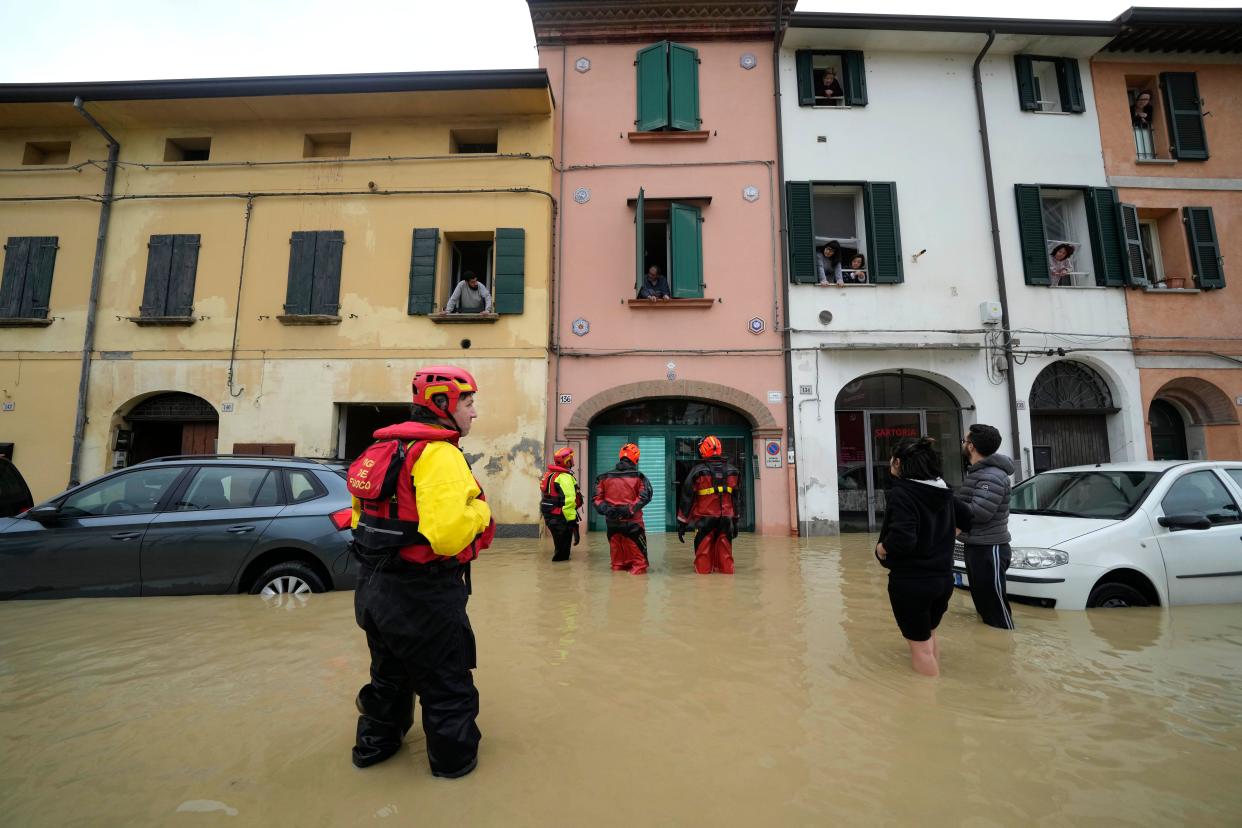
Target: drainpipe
{"points": [[791, 471], [1010, 382], [88, 344]]}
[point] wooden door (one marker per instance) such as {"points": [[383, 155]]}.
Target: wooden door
{"points": [[199, 438], [1075, 439]]}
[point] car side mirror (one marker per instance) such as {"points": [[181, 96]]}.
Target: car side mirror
{"points": [[47, 513], [1186, 521]]}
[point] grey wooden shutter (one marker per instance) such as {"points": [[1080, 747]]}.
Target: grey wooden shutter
{"points": [[1204, 247], [806, 77], [13, 284], [686, 240], [1031, 234], [683, 73], [423, 270], [510, 283], [652, 63], [326, 287], [182, 275], [159, 263], [855, 79], [39, 276], [301, 272], [1135, 260], [640, 242], [1026, 83], [799, 219], [1107, 241], [1183, 110], [1069, 79], [883, 233]]}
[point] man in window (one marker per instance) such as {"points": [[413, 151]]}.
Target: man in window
{"points": [[654, 286], [470, 296], [832, 93]]}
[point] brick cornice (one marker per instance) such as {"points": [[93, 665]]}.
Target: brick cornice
{"points": [[603, 21]]}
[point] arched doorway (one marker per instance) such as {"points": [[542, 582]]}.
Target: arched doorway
{"points": [[875, 412], [1070, 406], [668, 432], [168, 424], [1168, 432], [1200, 406]]}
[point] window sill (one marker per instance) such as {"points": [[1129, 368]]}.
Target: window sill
{"points": [[670, 304], [162, 321], [674, 136], [1079, 287], [846, 285], [23, 322], [1048, 112], [1167, 162], [308, 319], [463, 318], [1170, 290], [831, 107]]}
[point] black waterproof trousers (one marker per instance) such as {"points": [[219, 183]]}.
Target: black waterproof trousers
{"points": [[985, 567], [562, 532], [421, 644]]}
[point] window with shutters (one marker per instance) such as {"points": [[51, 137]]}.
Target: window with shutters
{"points": [[26, 286], [168, 292], [1149, 242], [831, 78], [844, 233], [1079, 237], [1206, 263], [439, 285], [667, 89], [668, 255], [313, 293], [1183, 110], [1066, 238], [1049, 84]]}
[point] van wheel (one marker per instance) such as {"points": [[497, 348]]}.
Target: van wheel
{"points": [[287, 580], [1110, 595]]}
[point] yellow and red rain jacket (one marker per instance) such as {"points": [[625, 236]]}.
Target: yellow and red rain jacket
{"points": [[560, 495], [439, 510]]}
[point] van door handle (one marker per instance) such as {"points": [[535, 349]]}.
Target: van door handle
{"points": [[126, 535], [240, 530]]}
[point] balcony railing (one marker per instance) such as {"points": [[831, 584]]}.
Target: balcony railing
{"points": [[1144, 143]]}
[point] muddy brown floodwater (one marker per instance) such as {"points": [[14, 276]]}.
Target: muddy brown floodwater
{"points": [[780, 696]]}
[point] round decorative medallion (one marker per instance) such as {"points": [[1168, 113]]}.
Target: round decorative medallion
{"points": [[756, 325], [582, 64], [748, 61], [581, 327], [582, 195], [751, 193]]}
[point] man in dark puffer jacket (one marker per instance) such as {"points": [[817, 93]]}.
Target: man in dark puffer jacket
{"points": [[986, 492]]}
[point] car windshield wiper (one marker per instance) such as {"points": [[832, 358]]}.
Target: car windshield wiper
{"points": [[1050, 512]]}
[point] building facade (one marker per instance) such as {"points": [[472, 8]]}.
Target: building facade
{"points": [[276, 265], [667, 161], [1170, 116], [959, 309]]}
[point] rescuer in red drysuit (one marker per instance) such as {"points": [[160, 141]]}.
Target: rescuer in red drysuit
{"points": [[711, 502], [620, 496], [560, 502]]}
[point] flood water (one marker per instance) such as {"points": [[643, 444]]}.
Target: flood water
{"points": [[780, 696]]}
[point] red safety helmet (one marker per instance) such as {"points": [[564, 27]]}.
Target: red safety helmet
{"points": [[710, 447], [448, 380], [564, 456], [629, 452]]}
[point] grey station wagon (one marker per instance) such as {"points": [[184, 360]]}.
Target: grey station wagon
{"points": [[272, 526]]}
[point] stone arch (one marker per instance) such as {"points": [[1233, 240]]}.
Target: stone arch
{"points": [[1204, 402], [761, 420]]}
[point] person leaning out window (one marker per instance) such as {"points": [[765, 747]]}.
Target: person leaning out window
{"points": [[470, 296]]}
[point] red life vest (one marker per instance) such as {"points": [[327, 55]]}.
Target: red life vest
{"points": [[552, 501], [712, 489], [394, 523]]}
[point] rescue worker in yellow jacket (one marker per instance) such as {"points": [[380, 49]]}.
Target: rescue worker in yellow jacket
{"points": [[560, 501], [420, 518]]}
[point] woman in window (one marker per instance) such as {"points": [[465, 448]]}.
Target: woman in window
{"points": [[1140, 110], [828, 264], [856, 273], [832, 89], [1061, 267]]}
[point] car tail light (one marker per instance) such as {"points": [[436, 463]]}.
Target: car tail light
{"points": [[341, 518]]}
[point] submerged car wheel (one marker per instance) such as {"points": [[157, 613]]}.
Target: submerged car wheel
{"points": [[287, 584], [1110, 595]]}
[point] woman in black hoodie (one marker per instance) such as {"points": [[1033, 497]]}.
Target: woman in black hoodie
{"points": [[916, 547]]}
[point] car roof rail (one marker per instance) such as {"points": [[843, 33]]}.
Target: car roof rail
{"points": [[269, 457]]}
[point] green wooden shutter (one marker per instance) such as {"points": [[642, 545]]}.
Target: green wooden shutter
{"points": [[1026, 83], [1185, 116], [1069, 80], [855, 79], [13, 284], [1135, 260], [651, 463], [883, 233], [683, 71], [181, 277], [423, 270], [800, 223], [301, 272], [686, 230], [640, 242], [806, 77], [652, 65], [1107, 241], [1204, 247], [159, 265], [38, 292], [326, 286], [510, 283], [1031, 233]]}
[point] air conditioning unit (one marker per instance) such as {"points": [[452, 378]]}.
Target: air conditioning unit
{"points": [[990, 312]]}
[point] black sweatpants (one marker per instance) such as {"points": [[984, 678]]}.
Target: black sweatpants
{"points": [[421, 644], [985, 567], [562, 532]]}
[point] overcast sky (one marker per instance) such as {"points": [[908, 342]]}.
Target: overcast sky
{"points": [[75, 40]]}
